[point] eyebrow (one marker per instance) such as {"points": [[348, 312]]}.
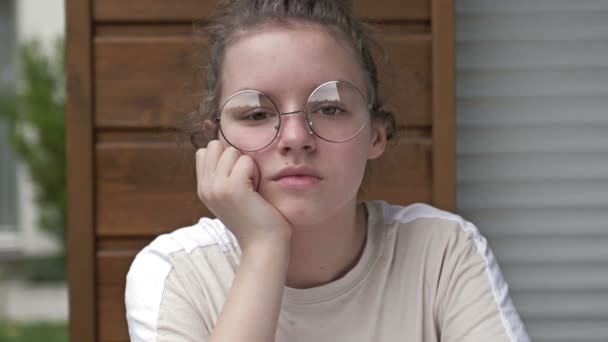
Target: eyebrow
{"points": [[273, 95]]}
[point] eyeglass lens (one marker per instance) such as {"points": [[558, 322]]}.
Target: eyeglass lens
{"points": [[335, 111]]}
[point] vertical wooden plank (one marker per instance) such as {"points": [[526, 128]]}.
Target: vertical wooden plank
{"points": [[444, 105], [79, 151]]}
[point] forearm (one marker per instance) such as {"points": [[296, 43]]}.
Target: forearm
{"points": [[251, 310]]}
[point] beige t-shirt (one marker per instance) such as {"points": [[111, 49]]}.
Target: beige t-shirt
{"points": [[424, 275]]}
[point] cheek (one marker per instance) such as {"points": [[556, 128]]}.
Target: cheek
{"points": [[350, 160], [360, 148], [261, 159]]}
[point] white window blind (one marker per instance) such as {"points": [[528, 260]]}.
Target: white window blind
{"points": [[532, 116]]}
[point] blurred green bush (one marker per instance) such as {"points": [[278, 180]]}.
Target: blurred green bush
{"points": [[35, 115], [33, 332]]}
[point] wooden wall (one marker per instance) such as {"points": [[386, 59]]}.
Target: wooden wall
{"points": [[129, 64]]}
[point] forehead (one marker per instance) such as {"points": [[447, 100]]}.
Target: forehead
{"points": [[294, 59]]}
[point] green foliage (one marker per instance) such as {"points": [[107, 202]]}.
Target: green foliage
{"points": [[30, 332], [40, 269], [35, 114]]}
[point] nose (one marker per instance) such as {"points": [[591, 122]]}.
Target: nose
{"points": [[295, 134]]}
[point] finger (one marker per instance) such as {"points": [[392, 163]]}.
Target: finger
{"points": [[226, 162], [224, 143], [199, 161], [212, 155], [246, 170]]}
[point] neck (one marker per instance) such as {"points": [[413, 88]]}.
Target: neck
{"points": [[326, 251]]}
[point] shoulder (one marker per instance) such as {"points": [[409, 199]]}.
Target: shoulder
{"points": [[155, 259], [431, 220], [422, 230], [404, 214], [153, 266], [459, 261], [205, 233]]}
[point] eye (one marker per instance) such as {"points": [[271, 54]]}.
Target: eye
{"points": [[258, 115], [330, 109]]}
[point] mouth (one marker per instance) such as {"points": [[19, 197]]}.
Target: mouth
{"points": [[297, 177], [300, 171]]}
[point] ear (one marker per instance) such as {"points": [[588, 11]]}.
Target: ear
{"points": [[209, 128], [378, 140]]}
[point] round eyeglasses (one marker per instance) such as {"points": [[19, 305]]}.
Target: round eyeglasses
{"points": [[335, 111]]}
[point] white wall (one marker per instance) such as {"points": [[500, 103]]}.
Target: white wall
{"points": [[43, 20]]}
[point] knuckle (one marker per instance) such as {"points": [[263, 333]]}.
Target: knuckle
{"points": [[199, 156], [202, 193], [204, 189], [245, 159], [232, 151], [247, 162], [218, 191], [200, 152], [215, 145]]}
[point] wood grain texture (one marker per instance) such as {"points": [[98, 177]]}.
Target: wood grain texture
{"points": [[144, 82], [444, 105], [145, 188], [79, 153], [149, 187], [151, 10], [121, 245], [188, 10], [111, 313], [393, 10], [113, 260], [149, 82]]}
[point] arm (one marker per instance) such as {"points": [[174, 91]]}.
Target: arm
{"points": [[227, 185], [251, 310], [160, 307], [477, 305]]}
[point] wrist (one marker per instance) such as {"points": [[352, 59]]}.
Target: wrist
{"points": [[274, 246]]}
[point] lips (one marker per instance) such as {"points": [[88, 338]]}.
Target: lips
{"points": [[297, 172]]}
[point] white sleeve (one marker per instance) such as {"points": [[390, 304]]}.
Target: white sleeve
{"points": [[144, 292], [158, 307]]}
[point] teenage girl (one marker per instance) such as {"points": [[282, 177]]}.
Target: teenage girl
{"points": [[294, 115]]}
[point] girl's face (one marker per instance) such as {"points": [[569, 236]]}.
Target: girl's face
{"points": [[287, 64]]}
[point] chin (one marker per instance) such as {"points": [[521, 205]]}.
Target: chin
{"points": [[302, 212]]}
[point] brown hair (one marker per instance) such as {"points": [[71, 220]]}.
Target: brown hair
{"points": [[232, 18]]}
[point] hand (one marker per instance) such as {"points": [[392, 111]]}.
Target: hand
{"points": [[227, 183]]}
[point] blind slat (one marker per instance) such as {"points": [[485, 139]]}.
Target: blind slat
{"points": [[533, 167], [534, 221], [563, 304], [504, 110], [535, 194], [555, 277], [527, 6], [532, 26], [533, 82], [532, 54], [533, 138], [568, 330], [551, 250]]}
